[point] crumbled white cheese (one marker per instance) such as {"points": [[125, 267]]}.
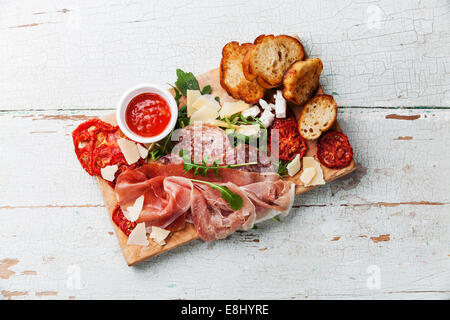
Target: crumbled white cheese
{"points": [[159, 235], [280, 105], [267, 118], [132, 212], [294, 166], [142, 150], [138, 236], [108, 172], [265, 105], [129, 150], [252, 112]]}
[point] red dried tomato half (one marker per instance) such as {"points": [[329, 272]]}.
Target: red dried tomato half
{"points": [[290, 141], [334, 150], [106, 150], [123, 223], [83, 140], [96, 146]]}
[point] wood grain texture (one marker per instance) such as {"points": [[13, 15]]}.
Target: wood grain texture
{"points": [[62, 62]]}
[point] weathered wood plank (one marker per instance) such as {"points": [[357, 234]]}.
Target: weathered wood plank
{"points": [[392, 213], [315, 252], [66, 55], [400, 160]]}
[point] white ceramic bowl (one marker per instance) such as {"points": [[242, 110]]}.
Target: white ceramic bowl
{"points": [[133, 92]]}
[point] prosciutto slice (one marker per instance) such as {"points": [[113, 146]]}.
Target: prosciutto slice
{"points": [[170, 196], [165, 198], [212, 216]]}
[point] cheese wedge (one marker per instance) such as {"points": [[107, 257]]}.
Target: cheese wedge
{"points": [[129, 150], [191, 96], [138, 236], [159, 235], [307, 175], [142, 150], [294, 166], [220, 123], [132, 212], [248, 130], [205, 100], [310, 162], [204, 114], [230, 108], [108, 172]]}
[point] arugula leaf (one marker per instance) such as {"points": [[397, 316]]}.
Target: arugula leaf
{"points": [[282, 168], [186, 81], [234, 200], [202, 168], [183, 119], [206, 90]]}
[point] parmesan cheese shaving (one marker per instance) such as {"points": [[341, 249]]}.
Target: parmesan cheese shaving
{"points": [[129, 150], [310, 162], [230, 108], [191, 96], [108, 172], [159, 235], [205, 100], [248, 130], [204, 114], [138, 236], [307, 175], [294, 166], [142, 151], [132, 212]]}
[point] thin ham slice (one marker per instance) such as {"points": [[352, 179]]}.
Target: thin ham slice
{"points": [[169, 196], [202, 141], [212, 216], [271, 199], [165, 198]]}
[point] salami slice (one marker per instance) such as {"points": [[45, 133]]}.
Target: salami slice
{"points": [[203, 141], [334, 150]]}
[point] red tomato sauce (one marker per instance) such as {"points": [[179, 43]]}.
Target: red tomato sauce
{"points": [[148, 114]]}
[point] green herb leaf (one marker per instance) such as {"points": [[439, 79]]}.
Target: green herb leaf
{"points": [[234, 200], [186, 81], [282, 168], [202, 168], [206, 90], [217, 99]]}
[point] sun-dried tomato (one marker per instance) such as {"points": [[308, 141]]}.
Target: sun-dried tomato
{"points": [[290, 141], [83, 140], [334, 150], [96, 147], [123, 223], [106, 151]]}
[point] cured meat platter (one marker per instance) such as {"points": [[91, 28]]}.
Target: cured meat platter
{"points": [[323, 157]]}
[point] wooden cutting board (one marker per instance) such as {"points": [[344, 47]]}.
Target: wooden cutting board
{"points": [[134, 254]]}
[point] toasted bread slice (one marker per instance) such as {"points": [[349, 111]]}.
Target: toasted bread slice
{"points": [[232, 77], [301, 80], [318, 115], [269, 57]]}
